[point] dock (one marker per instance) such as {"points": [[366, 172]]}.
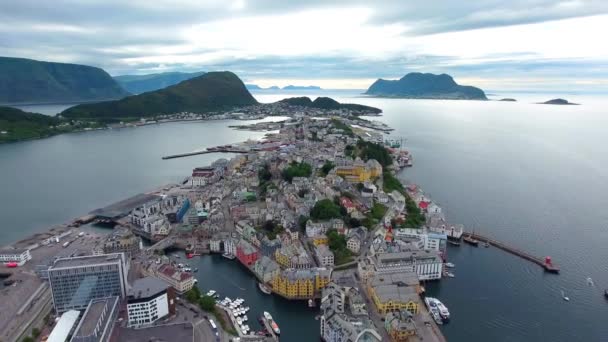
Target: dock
{"points": [[188, 154], [546, 263]]}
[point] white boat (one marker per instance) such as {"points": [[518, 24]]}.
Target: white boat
{"points": [[245, 318], [432, 306], [590, 282], [267, 316], [564, 297], [449, 265], [443, 310], [246, 309], [228, 256], [211, 293], [449, 275], [239, 320], [265, 289]]}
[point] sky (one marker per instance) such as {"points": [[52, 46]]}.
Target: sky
{"points": [[531, 45]]}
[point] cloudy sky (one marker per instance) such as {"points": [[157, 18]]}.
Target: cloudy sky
{"points": [[495, 44]]}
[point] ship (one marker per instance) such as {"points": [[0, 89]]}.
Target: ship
{"points": [[228, 256], [264, 288], [471, 240], [443, 310], [273, 324], [432, 306]]}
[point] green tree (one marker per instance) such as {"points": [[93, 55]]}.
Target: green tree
{"points": [[28, 339], [35, 332], [264, 174], [207, 303], [296, 170], [324, 210], [302, 222], [193, 295], [327, 167]]}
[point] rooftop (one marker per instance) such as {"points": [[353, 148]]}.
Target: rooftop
{"points": [[92, 315], [88, 260], [64, 326], [123, 208], [164, 333], [146, 287]]}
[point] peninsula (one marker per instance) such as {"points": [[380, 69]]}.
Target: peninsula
{"points": [[27, 81], [417, 85]]}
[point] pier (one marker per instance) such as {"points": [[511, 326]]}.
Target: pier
{"points": [[546, 263], [181, 155]]}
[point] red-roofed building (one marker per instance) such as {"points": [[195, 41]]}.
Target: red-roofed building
{"points": [[246, 253], [181, 281], [423, 205], [347, 204]]}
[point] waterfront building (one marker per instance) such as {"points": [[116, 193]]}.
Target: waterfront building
{"points": [[18, 256], [324, 256], [149, 299], [97, 322], [300, 284], [266, 269], [202, 176], [428, 265], [246, 253], [122, 240], [76, 281], [399, 291], [230, 246], [400, 325], [181, 281], [358, 171]]}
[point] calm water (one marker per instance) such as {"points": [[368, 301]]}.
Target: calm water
{"points": [[531, 175]]}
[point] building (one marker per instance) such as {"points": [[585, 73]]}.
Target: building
{"points": [[400, 325], [293, 256], [426, 241], [266, 269], [64, 327], [324, 256], [149, 300], [97, 322], [269, 247], [399, 291], [300, 284], [246, 253], [76, 281], [122, 240], [18, 256], [426, 264], [181, 281]]}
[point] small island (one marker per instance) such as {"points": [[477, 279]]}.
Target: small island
{"points": [[558, 102], [417, 85], [508, 99]]}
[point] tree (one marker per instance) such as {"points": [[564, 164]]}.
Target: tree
{"points": [[28, 339], [302, 222], [303, 192], [264, 174], [35, 332], [193, 295], [327, 167], [296, 170], [207, 303], [324, 210]]}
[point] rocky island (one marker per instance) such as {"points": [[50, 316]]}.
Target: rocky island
{"points": [[417, 85], [507, 99], [558, 102]]}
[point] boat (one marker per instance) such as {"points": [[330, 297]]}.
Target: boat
{"points": [[443, 310], [267, 316], [450, 274], [311, 303], [211, 293], [449, 265], [564, 297], [590, 282], [433, 306], [229, 256], [471, 241], [486, 244], [264, 288], [454, 243], [275, 327]]}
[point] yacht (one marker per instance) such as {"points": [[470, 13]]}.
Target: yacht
{"points": [[211, 293], [564, 297], [433, 309], [265, 289], [443, 310], [449, 265]]}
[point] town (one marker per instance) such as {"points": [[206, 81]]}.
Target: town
{"points": [[314, 211]]}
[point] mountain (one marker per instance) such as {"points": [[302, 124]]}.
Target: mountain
{"points": [[210, 92], [559, 102], [425, 86], [328, 103], [253, 87], [293, 87], [138, 84], [16, 124], [29, 81], [273, 88]]}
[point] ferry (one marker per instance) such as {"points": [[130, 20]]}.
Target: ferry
{"points": [[229, 256], [264, 288], [443, 310], [431, 304], [273, 324]]}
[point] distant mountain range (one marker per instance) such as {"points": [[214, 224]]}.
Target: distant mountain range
{"points": [[289, 87], [425, 86], [29, 81], [138, 84], [212, 91], [328, 103]]}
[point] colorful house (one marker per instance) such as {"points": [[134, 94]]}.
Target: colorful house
{"points": [[246, 253]]}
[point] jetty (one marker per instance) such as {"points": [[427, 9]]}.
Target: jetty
{"points": [[188, 154], [545, 263]]}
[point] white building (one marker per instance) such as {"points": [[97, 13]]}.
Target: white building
{"points": [[354, 244], [19, 256], [215, 245], [427, 265], [64, 327], [426, 241], [324, 255], [230, 246], [149, 300]]}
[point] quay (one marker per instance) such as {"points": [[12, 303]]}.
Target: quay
{"points": [[181, 155], [546, 263]]}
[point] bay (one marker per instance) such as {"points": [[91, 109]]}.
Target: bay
{"points": [[530, 175]]}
